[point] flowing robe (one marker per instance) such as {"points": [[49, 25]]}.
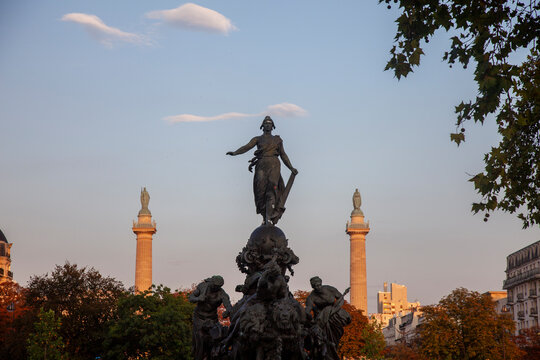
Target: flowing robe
{"points": [[267, 182], [268, 185]]}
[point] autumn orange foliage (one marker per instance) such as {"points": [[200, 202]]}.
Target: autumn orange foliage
{"points": [[361, 339], [402, 351], [465, 325], [14, 325], [529, 342], [12, 296]]}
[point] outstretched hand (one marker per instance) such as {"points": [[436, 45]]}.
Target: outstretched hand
{"points": [[230, 153], [294, 171]]}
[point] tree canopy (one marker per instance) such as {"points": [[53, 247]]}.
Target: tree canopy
{"points": [[12, 306], [491, 34], [361, 337], [465, 325], [528, 341], [84, 300], [152, 325], [16, 323], [403, 351]]}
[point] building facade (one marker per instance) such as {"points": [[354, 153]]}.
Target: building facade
{"points": [[500, 299], [402, 328], [5, 259], [522, 285], [392, 303], [395, 300], [357, 230]]}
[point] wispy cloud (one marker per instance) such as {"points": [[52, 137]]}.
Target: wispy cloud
{"points": [[194, 17], [105, 34], [285, 110], [280, 110]]}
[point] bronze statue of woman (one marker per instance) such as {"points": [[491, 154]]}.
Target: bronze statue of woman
{"points": [[268, 185]]}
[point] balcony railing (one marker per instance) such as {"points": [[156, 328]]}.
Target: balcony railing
{"points": [[533, 312], [521, 278], [532, 293], [510, 298], [519, 297], [521, 315]]}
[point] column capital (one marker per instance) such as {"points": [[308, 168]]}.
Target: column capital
{"points": [[357, 229]]}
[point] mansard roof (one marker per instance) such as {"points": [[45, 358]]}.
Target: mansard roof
{"points": [[2, 237]]}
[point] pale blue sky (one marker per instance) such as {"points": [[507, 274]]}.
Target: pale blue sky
{"points": [[82, 129]]}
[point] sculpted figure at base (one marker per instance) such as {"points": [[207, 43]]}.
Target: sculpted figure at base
{"points": [[329, 319], [207, 331], [269, 325], [268, 186], [265, 243]]}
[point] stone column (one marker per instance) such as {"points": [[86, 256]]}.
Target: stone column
{"points": [[357, 230], [144, 228]]}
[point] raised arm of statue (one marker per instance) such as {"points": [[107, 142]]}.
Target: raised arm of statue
{"points": [[250, 145]]}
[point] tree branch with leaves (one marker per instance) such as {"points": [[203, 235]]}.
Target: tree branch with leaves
{"points": [[491, 34]]}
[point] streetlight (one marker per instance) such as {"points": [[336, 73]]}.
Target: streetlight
{"points": [[11, 308]]}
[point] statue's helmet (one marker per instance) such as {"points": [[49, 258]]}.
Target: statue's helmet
{"points": [[268, 119], [217, 280], [315, 281]]}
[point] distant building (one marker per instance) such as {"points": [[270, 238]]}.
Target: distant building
{"points": [[500, 299], [393, 303], [395, 300], [523, 284], [5, 259], [402, 329]]}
